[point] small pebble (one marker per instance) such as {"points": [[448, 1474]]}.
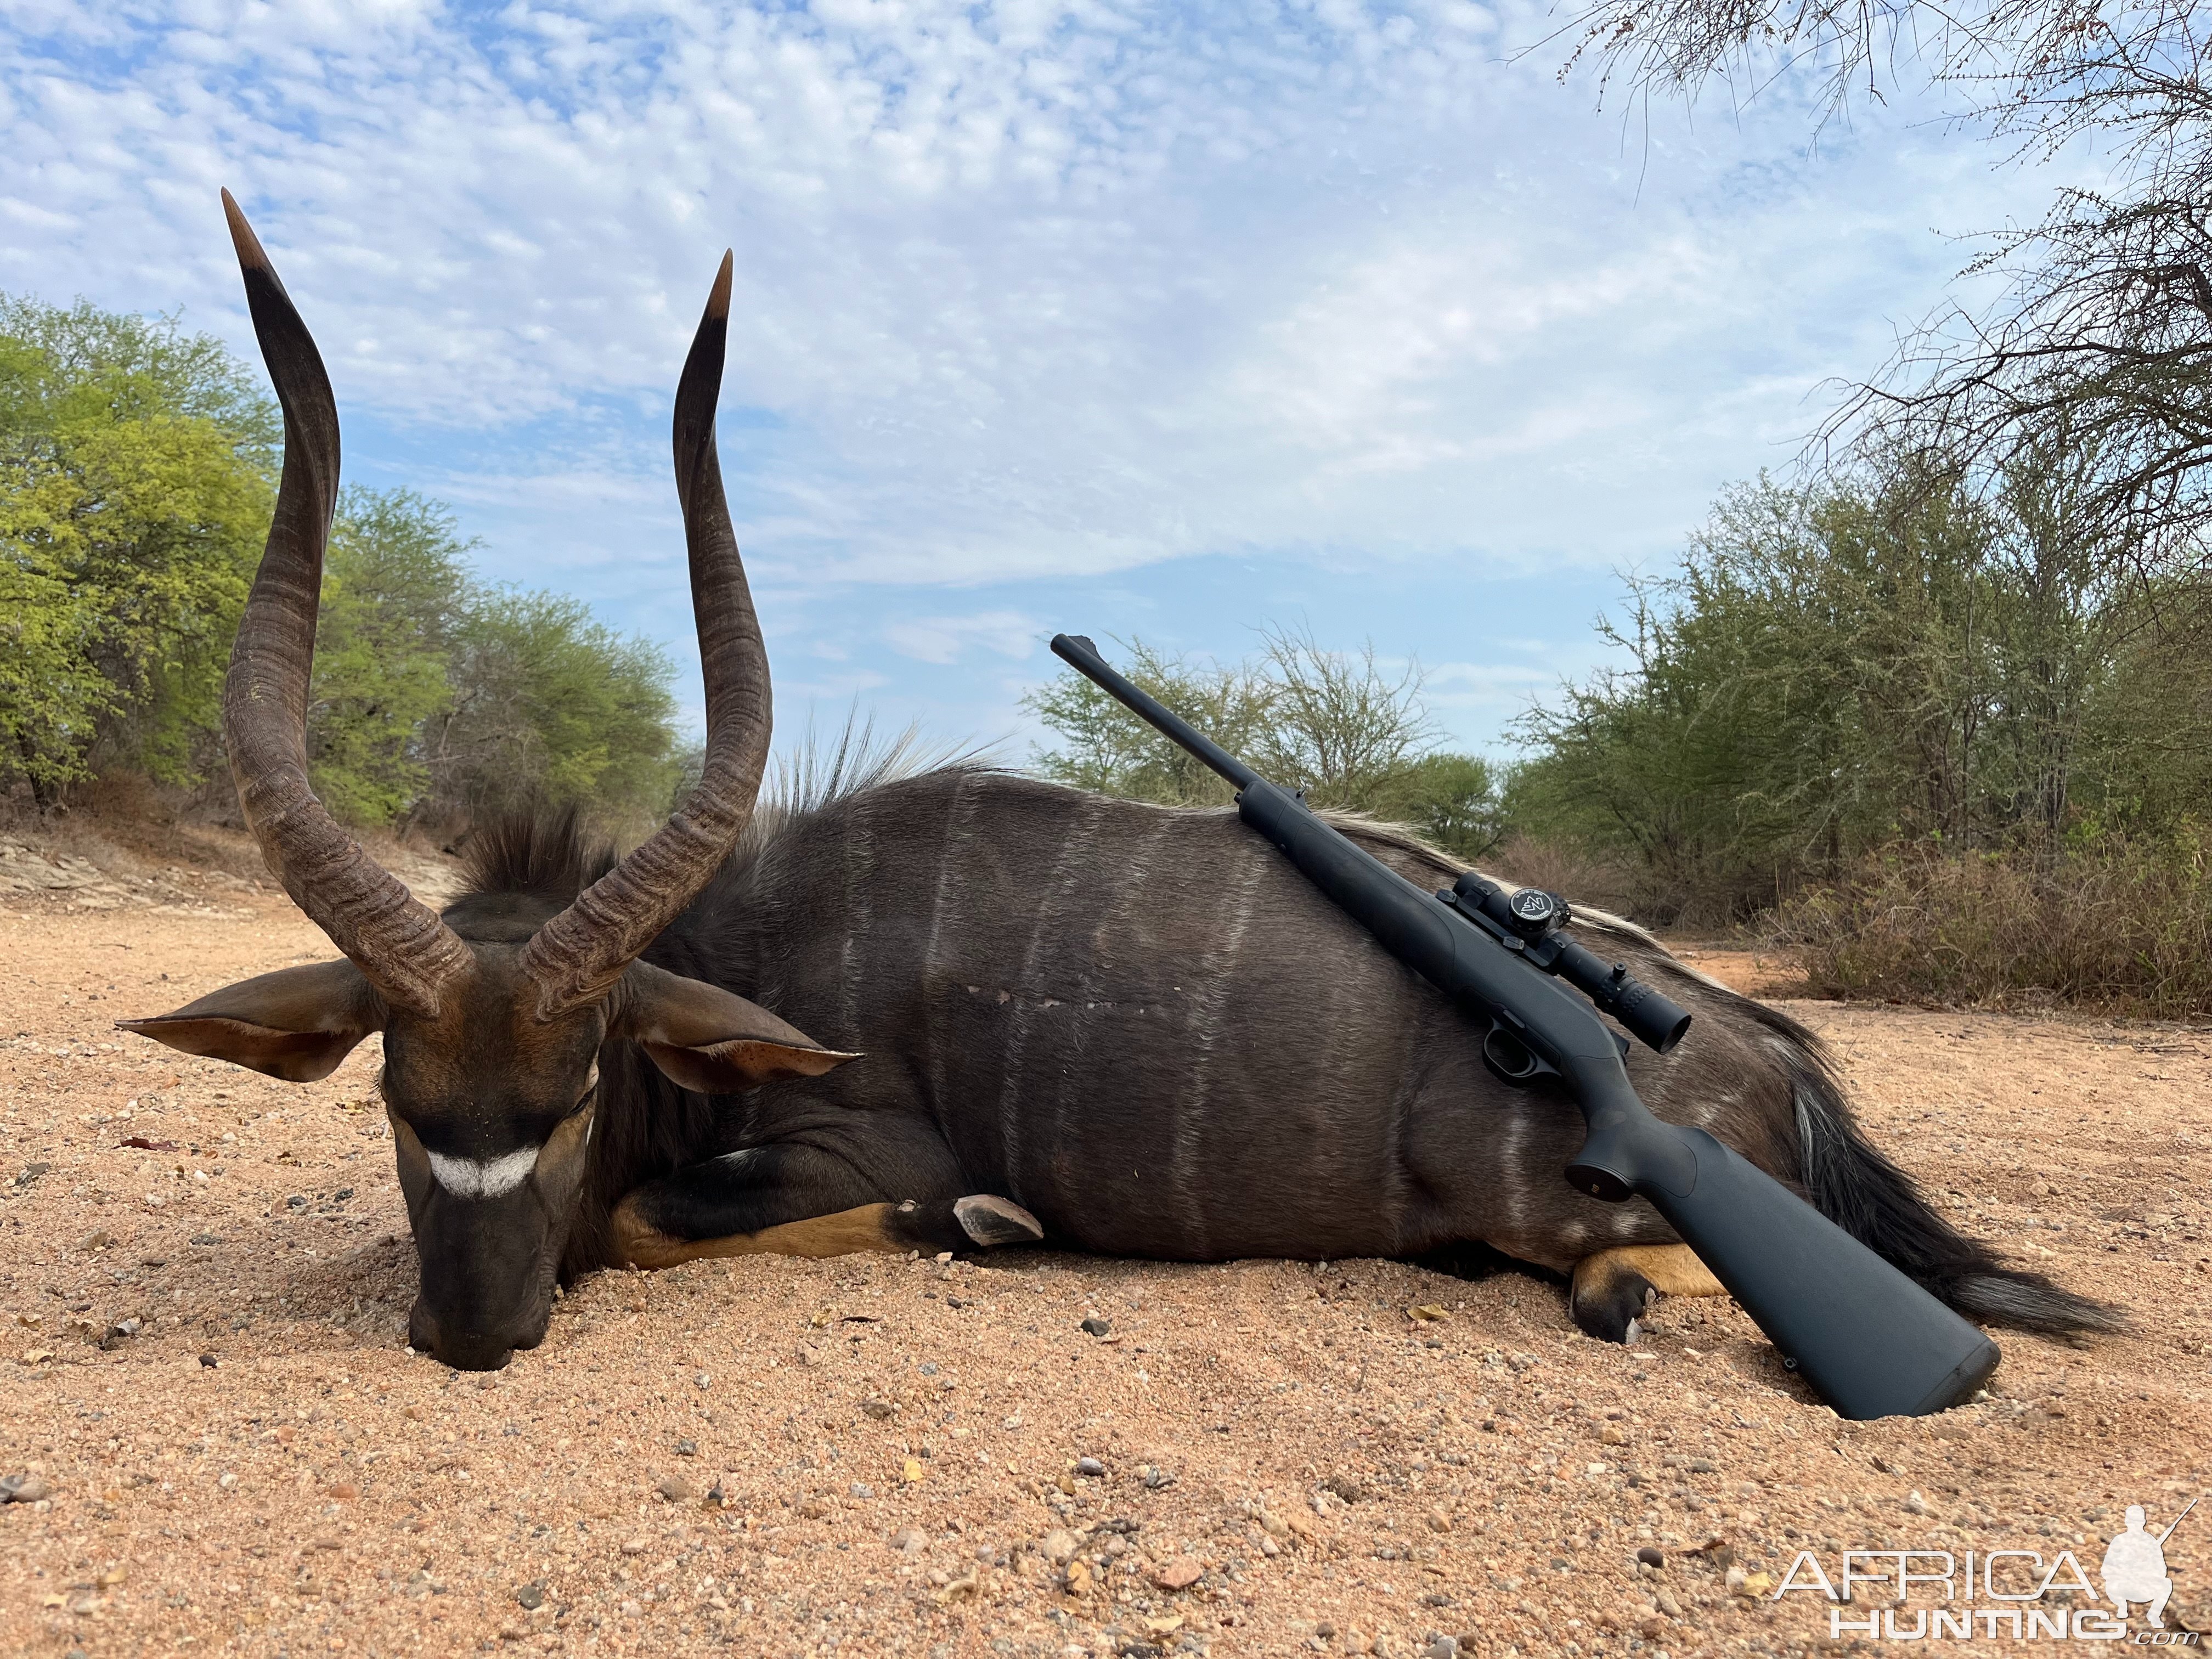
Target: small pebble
{"points": [[210, 1361], [25, 1489], [1651, 1556], [1090, 1466], [687, 1449], [532, 1596], [1097, 1326], [1179, 1574]]}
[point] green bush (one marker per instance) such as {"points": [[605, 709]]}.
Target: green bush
{"points": [[1875, 661], [137, 466], [549, 705]]}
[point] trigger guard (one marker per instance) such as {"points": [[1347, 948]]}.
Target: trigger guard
{"points": [[1511, 1060]]}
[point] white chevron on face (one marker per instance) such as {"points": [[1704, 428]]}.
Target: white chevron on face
{"points": [[471, 1177]]}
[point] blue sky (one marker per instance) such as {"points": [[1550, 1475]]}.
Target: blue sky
{"points": [[1091, 315]]}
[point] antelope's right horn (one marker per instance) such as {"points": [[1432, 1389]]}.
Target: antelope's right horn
{"points": [[579, 954]]}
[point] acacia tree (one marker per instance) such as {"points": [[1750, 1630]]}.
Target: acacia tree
{"points": [[1335, 724], [396, 589], [136, 463], [1874, 660], [2102, 332], [550, 706]]}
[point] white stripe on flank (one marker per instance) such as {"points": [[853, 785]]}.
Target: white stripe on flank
{"points": [[472, 1177]]}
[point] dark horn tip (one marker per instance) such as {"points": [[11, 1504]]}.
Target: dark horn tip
{"points": [[250, 255], [718, 302]]}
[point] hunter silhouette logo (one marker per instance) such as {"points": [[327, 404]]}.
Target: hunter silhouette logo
{"points": [[2135, 1567]]}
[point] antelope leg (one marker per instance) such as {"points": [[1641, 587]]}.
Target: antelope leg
{"points": [[1612, 1288], [788, 1199]]}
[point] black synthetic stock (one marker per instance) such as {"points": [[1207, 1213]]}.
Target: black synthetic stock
{"points": [[1871, 1341]]}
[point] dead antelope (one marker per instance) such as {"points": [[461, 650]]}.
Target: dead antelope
{"points": [[1125, 1028]]}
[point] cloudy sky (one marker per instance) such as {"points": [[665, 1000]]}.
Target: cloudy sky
{"points": [[1084, 314]]}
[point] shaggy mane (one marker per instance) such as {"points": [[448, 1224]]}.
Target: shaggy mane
{"points": [[546, 854], [549, 853]]}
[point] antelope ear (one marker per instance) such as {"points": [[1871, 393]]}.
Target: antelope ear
{"points": [[297, 1024], [709, 1040]]}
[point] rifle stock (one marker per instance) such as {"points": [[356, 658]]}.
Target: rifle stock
{"points": [[1870, 1340]]}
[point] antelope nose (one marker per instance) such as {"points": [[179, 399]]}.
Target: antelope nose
{"points": [[471, 1353], [464, 1350]]}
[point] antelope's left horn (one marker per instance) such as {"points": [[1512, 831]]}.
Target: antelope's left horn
{"points": [[579, 954], [398, 942]]}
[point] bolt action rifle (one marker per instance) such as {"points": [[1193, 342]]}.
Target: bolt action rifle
{"points": [[1870, 1341]]}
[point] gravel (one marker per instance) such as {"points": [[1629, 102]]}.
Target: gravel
{"points": [[264, 1468]]}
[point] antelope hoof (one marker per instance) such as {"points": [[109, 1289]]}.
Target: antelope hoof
{"points": [[991, 1221], [1611, 1311], [1612, 1288]]}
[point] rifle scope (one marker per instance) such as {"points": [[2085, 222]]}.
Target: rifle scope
{"points": [[1530, 920]]}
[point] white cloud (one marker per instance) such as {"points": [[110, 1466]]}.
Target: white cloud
{"points": [[1027, 291], [1028, 287], [944, 639]]}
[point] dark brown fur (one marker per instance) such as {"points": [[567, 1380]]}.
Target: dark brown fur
{"points": [[1143, 1026]]}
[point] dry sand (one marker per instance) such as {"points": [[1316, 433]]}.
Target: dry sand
{"points": [[876, 1456]]}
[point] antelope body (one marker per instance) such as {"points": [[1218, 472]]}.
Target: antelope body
{"points": [[1117, 1027]]}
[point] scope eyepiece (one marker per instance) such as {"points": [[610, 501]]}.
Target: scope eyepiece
{"points": [[1652, 1018]]}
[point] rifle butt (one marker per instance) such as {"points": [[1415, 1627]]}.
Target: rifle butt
{"points": [[1870, 1340]]}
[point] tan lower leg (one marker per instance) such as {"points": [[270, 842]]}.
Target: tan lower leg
{"points": [[1673, 1270], [869, 1227]]}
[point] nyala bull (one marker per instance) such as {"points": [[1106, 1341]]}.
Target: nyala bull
{"points": [[1110, 1026]]}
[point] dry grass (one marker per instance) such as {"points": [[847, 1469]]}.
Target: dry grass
{"points": [[1581, 877], [2120, 929]]}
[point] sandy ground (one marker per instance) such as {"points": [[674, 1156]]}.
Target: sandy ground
{"points": [[877, 1455]]}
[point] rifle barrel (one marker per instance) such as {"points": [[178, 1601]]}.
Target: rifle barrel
{"points": [[1079, 652], [2179, 1519]]}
